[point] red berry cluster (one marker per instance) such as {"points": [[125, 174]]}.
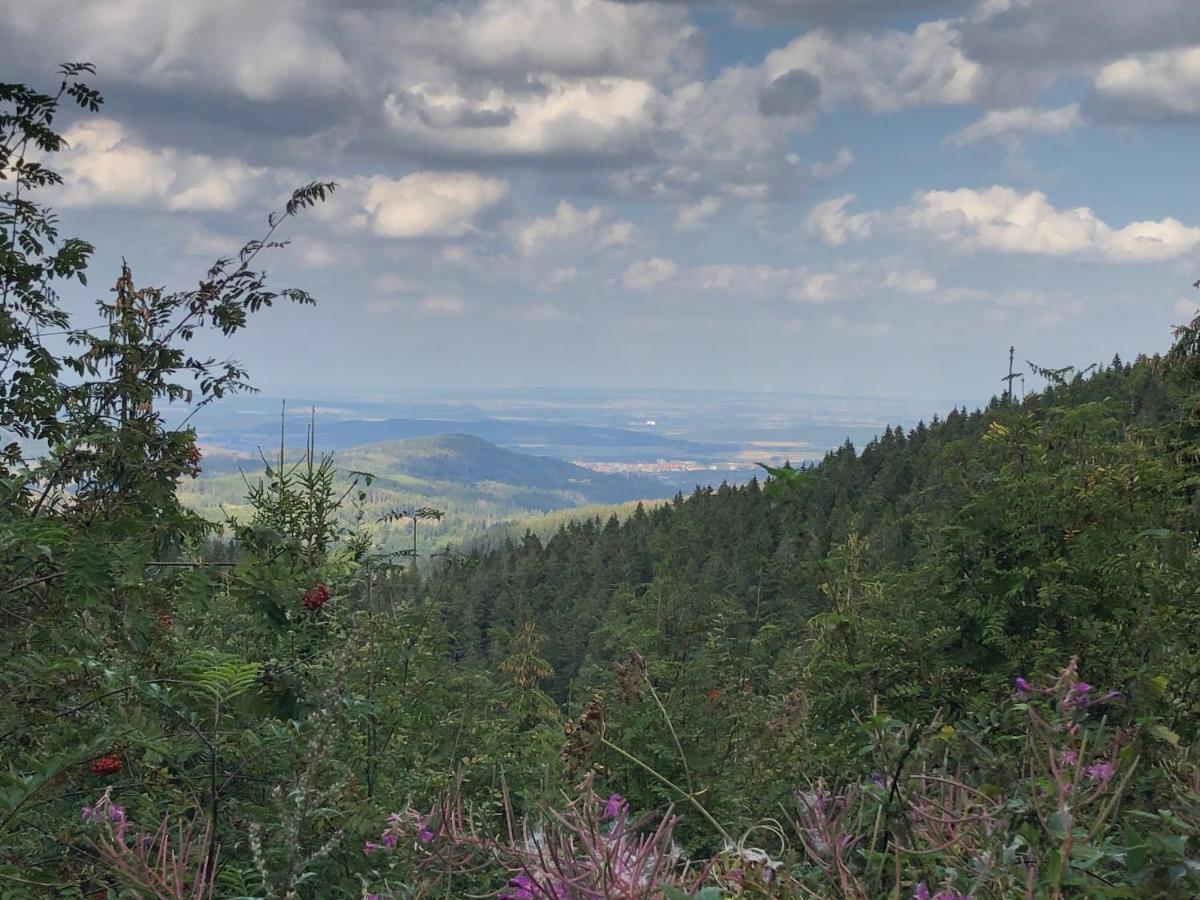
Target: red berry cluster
{"points": [[192, 465], [316, 597], [107, 765]]}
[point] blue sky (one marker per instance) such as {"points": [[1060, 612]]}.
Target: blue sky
{"points": [[869, 197]]}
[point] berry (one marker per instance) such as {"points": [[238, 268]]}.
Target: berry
{"points": [[107, 765], [316, 597]]}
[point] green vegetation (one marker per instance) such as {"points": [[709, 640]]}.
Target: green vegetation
{"points": [[477, 485], [961, 662]]}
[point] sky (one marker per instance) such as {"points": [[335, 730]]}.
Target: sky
{"points": [[859, 197]]}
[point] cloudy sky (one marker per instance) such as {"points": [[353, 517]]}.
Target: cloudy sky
{"points": [[849, 196]]}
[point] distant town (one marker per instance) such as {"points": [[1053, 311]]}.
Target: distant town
{"points": [[661, 466]]}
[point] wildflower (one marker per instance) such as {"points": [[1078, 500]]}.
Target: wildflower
{"points": [[388, 839], [521, 886], [614, 806], [921, 893], [877, 779], [1023, 686], [1070, 757], [714, 695], [107, 765], [1101, 771], [1077, 696], [425, 836], [370, 847]]}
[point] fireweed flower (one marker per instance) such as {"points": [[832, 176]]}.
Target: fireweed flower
{"points": [[1023, 686], [425, 836], [1101, 771], [614, 806], [370, 847], [520, 887]]}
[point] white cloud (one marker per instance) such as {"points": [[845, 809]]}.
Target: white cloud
{"points": [[651, 273], [262, 50], [1009, 124], [1162, 85], [833, 225], [593, 229], [820, 287], [420, 205], [842, 325], [1008, 221], [106, 165], [692, 217], [391, 283], [910, 281], [548, 116], [589, 38], [442, 305], [882, 72]]}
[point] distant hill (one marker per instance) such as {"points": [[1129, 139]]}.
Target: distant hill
{"points": [[465, 459], [477, 484], [509, 433]]}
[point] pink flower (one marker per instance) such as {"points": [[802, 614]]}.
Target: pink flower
{"points": [[425, 836], [1101, 771], [614, 806]]}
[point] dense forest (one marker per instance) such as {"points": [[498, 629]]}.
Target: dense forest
{"points": [[959, 662]]}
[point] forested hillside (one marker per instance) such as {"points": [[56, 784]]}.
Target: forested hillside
{"points": [[959, 662], [475, 484]]}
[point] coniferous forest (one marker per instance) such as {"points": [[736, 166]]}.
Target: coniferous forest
{"points": [[959, 661]]}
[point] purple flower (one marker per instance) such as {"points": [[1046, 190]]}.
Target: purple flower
{"points": [[921, 893], [1101, 771], [520, 888], [1077, 696], [90, 814], [614, 806], [877, 779], [370, 847], [425, 836], [388, 839], [1070, 757], [1023, 686]]}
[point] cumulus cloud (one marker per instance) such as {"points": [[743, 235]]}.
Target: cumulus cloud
{"points": [[1151, 87], [419, 205], [910, 281], [550, 116], [832, 13], [644, 275], [695, 215], [595, 228], [262, 51], [834, 226], [442, 305], [882, 72], [106, 165], [1005, 220], [1010, 125]]}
